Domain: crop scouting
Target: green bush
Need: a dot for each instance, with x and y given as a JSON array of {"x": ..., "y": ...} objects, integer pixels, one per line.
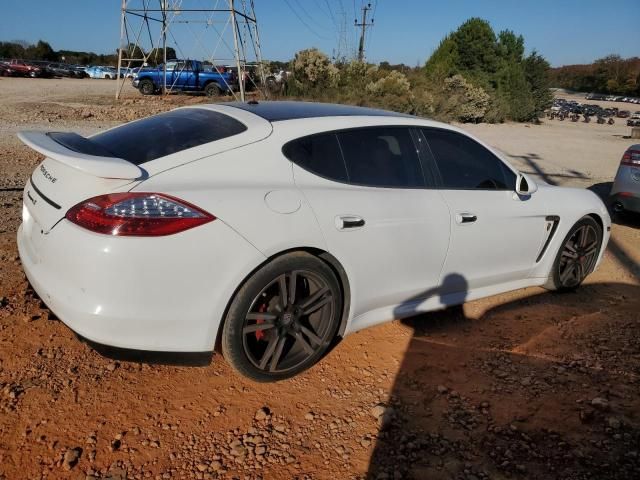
[
  {"x": 312, "y": 71},
  {"x": 391, "y": 91}
]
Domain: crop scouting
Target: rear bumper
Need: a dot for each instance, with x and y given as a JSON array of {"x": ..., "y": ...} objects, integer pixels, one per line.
[
  {"x": 159, "y": 294},
  {"x": 629, "y": 202},
  {"x": 626, "y": 188}
]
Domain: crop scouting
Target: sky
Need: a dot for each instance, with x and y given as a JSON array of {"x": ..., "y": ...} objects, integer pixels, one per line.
[{"x": 404, "y": 31}]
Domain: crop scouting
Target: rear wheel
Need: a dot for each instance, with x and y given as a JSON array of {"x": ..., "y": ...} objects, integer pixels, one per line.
[
  {"x": 283, "y": 319},
  {"x": 146, "y": 87},
  {"x": 578, "y": 254},
  {"x": 212, "y": 90}
]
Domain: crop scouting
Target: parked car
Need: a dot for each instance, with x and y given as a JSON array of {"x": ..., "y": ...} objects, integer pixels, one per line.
[
  {"x": 78, "y": 71},
  {"x": 633, "y": 122},
  {"x": 277, "y": 228},
  {"x": 625, "y": 192},
  {"x": 5, "y": 70},
  {"x": 185, "y": 75},
  {"x": 108, "y": 73},
  {"x": 23, "y": 69},
  {"x": 61, "y": 69},
  {"x": 624, "y": 114}
]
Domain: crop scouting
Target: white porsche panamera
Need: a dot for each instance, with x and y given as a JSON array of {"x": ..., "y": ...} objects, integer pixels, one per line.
[{"x": 275, "y": 228}]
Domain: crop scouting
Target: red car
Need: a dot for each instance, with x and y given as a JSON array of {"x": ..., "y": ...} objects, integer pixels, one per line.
[
  {"x": 5, "y": 70},
  {"x": 23, "y": 69}
]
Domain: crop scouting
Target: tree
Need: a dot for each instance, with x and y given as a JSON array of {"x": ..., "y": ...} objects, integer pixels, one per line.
[
  {"x": 494, "y": 63},
  {"x": 41, "y": 51},
  {"x": 133, "y": 51},
  {"x": 476, "y": 47},
  {"x": 611, "y": 74},
  {"x": 536, "y": 70},
  {"x": 444, "y": 60},
  {"x": 510, "y": 46},
  {"x": 156, "y": 56},
  {"x": 512, "y": 86}
]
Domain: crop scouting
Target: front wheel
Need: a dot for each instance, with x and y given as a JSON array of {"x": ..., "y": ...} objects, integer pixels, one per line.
[
  {"x": 578, "y": 255},
  {"x": 283, "y": 319}
]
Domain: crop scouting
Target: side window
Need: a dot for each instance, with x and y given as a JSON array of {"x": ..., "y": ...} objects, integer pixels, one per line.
[
  {"x": 320, "y": 154},
  {"x": 171, "y": 66},
  {"x": 465, "y": 164},
  {"x": 381, "y": 157}
]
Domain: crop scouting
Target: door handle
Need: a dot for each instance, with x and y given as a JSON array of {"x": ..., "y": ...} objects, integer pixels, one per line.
[
  {"x": 345, "y": 222},
  {"x": 463, "y": 218}
]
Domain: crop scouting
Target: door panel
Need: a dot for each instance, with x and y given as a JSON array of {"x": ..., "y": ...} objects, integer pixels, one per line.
[
  {"x": 397, "y": 247},
  {"x": 503, "y": 241},
  {"x": 388, "y": 230},
  {"x": 496, "y": 235},
  {"x": 183, "y": 78}
]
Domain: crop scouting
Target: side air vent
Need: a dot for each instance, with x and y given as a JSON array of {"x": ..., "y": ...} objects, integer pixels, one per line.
[{"x": 552, "y": 226}]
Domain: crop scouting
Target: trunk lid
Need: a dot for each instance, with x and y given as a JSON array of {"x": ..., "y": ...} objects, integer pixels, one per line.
[{"x": 66, "y": 177}]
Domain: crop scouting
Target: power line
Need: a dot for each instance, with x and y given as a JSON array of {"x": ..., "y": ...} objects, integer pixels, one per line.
[
  {"x": 305, "y": 23},
  {"x": 304, "y": 10}
]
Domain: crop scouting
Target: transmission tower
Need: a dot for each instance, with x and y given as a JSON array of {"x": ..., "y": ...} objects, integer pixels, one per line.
[
  {"x": 364, "y": 25},
  {"x": 343, "y": 49},
  {"x": 222, "y": 31}
]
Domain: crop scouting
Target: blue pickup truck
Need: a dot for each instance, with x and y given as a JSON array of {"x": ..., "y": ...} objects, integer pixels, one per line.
[{"x": 187, "y": 76}]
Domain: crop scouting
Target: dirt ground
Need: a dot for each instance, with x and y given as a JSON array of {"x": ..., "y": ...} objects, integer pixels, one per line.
[{"x": 525, "y": 385}]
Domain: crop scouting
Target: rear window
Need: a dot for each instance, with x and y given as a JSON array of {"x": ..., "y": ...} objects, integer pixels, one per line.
[{"x": 161, "y": 135}]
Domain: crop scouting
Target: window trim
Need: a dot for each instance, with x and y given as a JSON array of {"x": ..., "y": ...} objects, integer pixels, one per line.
[
  {"x": 431, "y": 159},
  {"x": 429, "y": 182}
]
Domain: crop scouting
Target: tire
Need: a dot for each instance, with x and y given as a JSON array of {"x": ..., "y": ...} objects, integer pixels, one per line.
[
  {"x": 212, "y": 90},
  {"x": 267, "y": 343},
  {"x": 577, "y": 255},
  {"x": 146, "y": 87}
]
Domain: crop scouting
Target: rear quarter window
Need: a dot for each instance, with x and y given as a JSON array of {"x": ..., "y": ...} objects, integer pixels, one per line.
[
  {"x": 161, "y": 135},
  {"x": 320, "y": 154}
]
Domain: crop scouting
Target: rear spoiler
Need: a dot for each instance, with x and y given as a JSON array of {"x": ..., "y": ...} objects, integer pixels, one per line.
[{"x": 99, "y": 166}]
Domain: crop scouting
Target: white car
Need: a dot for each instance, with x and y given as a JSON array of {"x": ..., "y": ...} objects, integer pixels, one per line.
[{"x": 276, "y": 228}]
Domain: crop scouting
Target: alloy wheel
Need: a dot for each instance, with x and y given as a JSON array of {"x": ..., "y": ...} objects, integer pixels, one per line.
[
  {"x": 290, "y": 320},
  {"x": 579, "y": 256}
]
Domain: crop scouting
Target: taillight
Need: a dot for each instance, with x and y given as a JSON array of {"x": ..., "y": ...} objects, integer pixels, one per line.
[
  {"x": 137, "y": 214},
  {"x": 631, "y": 158}
]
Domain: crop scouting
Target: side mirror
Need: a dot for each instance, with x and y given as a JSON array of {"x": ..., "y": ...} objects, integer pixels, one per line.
[{"x": 525, "y": 185}]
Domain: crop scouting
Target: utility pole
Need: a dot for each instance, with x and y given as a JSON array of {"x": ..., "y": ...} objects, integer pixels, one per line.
[{"x": 364, "y": 26}]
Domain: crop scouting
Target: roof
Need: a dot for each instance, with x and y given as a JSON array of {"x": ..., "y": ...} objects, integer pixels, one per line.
[{"x": 274, "y": 111}]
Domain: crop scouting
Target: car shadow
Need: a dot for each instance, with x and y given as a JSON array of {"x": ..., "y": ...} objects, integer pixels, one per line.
[
  {"x": 532, "y": 159},
  {"x": 501, "y": 394}
]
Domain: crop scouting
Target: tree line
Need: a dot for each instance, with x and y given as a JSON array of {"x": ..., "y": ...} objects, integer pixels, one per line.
[
  {"x": 612, "y": 74},
  {"x": 43, "y": 51},
  {"x": 474, "y": 75}
]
